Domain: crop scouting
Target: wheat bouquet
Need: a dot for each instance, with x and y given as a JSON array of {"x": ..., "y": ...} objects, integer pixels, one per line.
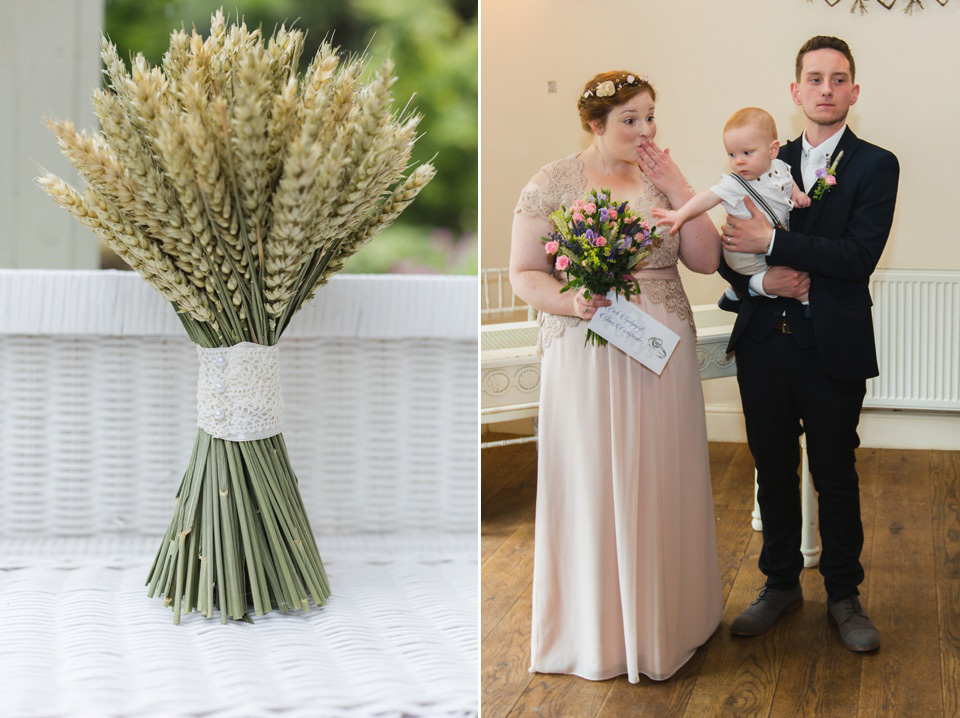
[{"x": 237, "y": 188}]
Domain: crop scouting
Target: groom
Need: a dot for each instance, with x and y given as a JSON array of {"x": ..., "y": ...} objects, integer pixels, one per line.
[{"x": 805, "y": 371}]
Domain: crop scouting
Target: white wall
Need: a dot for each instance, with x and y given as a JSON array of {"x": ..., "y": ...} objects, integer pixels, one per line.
[
  {"x": 49, "y": 66},
  {"x": 706, "y": 59}
]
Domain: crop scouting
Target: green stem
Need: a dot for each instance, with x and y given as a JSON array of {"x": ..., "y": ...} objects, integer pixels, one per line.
[{"x": 304, "y": 289}]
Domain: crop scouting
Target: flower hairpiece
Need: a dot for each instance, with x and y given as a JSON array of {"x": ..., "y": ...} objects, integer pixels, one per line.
[{"x": 609, "y": 88}]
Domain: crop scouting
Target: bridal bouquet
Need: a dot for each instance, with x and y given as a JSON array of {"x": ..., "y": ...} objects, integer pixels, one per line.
[
  {"x": 237, "y": 188},
  {"x": 597, "y": 242}
]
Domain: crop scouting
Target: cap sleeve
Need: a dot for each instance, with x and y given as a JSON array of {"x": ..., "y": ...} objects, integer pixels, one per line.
[
  {"x": 729, "y": 190},
  {"x": 539, "y": 198}
]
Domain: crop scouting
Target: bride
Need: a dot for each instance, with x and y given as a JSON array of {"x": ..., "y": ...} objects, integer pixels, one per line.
[{"x": 625, "y": 575}]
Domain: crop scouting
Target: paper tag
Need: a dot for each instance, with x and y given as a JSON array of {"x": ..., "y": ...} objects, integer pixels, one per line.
[{"x": 628, "y": 327}]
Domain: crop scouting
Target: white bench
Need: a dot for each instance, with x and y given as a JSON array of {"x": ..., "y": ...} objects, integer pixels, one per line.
[{"x": 97, "y": 419}]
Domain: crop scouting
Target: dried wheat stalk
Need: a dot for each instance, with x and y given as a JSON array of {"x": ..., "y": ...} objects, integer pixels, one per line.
[{"x": 237, "y": 188}]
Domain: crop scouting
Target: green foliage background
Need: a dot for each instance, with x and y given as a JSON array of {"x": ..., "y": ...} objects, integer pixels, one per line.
[{"x": 434, "y": 46}]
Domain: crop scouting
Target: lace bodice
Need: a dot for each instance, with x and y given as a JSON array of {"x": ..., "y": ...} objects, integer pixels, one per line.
[{"x": 567, "y": 183}]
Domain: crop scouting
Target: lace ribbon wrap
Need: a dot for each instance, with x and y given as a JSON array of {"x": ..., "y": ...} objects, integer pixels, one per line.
[{"x": 238, "y": 392}]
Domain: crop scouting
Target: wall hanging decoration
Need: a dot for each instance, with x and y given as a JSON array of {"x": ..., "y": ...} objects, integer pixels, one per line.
[{"x": 908, "y": 5}]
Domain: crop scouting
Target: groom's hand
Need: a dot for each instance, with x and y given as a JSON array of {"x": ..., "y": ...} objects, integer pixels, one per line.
[
  {"x": 786, "y": 282},
  {"x": 748, "y": 235}
]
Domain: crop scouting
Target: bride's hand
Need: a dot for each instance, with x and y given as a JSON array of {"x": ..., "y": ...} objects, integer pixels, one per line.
[
  {"x": 659, "y": 166},
  {"x": 586, "y": 308}
]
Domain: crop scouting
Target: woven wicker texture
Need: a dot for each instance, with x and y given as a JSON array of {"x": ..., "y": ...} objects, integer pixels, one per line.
[
  {"x": 115, "y": 303},
  {"x": 96, "y": 426},
  {"x": 397, "y": 638}
]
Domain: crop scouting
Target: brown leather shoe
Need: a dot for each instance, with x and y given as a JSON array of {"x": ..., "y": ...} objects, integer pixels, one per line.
[
  {"x": 760, "y": 615},
  {"x": 857, "y": 632}
]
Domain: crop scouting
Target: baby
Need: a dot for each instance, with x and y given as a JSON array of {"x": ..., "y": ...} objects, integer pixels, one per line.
[{"x": 750, "y": 138}]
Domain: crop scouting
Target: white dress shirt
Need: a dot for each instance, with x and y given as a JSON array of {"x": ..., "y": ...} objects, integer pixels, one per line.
[{"x": 811, "y": 159}]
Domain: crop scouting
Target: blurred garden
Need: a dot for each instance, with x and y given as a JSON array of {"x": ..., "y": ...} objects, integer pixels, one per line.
[{"x": 434, "y": 46}]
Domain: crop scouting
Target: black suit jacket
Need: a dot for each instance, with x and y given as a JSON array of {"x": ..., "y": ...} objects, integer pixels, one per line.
[{"x": 838, "y": 240}]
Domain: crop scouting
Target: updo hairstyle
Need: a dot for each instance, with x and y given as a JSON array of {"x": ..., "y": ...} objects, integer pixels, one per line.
[{"x": 625, "y": 86}]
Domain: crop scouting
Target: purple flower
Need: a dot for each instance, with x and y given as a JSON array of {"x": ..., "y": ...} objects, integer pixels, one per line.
[
  {"x": 589, "y": 235},
  {"x": 822, "y": 172},
  {"x": 604, "y": 215}
]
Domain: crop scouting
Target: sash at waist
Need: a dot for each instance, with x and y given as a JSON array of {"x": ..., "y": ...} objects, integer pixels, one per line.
[{"x": 670, "y": 272}]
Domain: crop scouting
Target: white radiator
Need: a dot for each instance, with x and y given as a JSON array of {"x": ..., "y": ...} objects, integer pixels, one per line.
[{"x": 916, "y": 315}]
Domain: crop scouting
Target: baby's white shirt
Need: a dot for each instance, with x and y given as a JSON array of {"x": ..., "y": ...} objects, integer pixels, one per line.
[{"x": 774, "y": 186}]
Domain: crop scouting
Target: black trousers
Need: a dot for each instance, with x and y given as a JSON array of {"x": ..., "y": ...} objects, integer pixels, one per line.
[{"x": 785, "y": 393}]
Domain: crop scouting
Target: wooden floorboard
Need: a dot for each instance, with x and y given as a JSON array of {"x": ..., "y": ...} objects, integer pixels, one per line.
[
  {"x": 654, "y": 698},
  {"x": 501, "y": 464},
  {"x": 945, "y": 513},
  {"x": 739, "y": 674},
  {"x": 505, "y": 575},
  {"x": 512, "y": 505},
  {"x": 734, "y": 531},
  {"x": 505, "y": 660},
  {"x": 910, "y": 504},
  {"x": 903, "y": 677},
  {"x": 549, "y": 695}
]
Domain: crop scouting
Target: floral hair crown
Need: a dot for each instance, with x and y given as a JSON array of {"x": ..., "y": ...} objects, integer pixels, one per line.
[{"x": 611, "y": 87}]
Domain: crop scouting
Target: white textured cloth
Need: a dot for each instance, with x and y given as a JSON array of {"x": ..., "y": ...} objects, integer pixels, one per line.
[{"x": 238, "y": 392}]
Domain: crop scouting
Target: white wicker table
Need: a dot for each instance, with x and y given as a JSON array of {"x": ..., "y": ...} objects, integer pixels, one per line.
[{"x": 97, "y": 418}]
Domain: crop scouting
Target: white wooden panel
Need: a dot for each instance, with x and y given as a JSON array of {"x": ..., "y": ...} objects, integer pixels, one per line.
[
  {"x": 9, "y": 141},
  {"x": 50, "y": 67}
]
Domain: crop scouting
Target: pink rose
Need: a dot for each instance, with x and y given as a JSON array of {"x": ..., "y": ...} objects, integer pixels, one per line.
[
  {"x": 613, "y": 214},
  {"x": 590, "y": 208},
  {"x": 551, "y": 247},
  {"x": 830, "y": 180},
  {"x": 562, "y": 262},
  {"x": 601, "y": 242},
  {"x": 577, "y": 217},
  {"x": 645, "y": 225},
  {"x": 589, "y": 220},
  {"x": 578, "y": 203}
]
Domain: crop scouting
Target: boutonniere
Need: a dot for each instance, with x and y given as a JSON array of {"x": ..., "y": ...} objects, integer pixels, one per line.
[{"x": 826, "y": 177}]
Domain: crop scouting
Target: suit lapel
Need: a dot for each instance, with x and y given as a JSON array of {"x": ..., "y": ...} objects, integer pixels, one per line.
[
  {"x": 790, "y": 153},
  {"x": 848, "y": 145},
  {"x": 793, "y": 150}
]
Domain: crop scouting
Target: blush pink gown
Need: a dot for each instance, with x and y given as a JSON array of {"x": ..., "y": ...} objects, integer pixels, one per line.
[{"x": 625, "y": 575}]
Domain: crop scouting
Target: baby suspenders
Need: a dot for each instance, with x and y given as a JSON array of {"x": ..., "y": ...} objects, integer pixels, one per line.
[{"x": 759, "y": 201}]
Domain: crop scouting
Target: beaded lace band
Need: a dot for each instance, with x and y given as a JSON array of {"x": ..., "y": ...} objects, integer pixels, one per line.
[{"x": 238, "y": 392}]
